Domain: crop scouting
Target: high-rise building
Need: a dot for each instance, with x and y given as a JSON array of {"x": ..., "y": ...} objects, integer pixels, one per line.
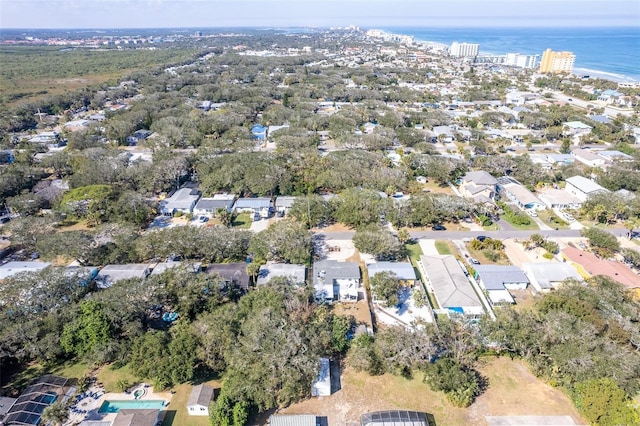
[
  {"x": 521, "y": 61},
  {"x": 462, "y": 50},
  {"x": 556, "y": 62}
]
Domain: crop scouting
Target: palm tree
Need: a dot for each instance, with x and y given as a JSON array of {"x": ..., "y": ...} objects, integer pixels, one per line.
[{"x": 55, "y": 414}]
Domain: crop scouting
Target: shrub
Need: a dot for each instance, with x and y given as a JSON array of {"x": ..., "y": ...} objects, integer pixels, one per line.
[
  {"x": 485, "y": 220},
  {"x": 492, "y": 255},
  {"x": 548, "y": 255}
]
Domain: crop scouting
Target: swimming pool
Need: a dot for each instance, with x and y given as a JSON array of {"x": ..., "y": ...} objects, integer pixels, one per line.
[{"x": 115, "y": 406}]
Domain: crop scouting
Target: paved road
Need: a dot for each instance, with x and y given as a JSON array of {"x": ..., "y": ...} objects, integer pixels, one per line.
[{"x": 458, "y": 235}]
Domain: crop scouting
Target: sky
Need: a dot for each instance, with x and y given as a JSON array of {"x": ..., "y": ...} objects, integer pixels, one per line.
[{"x": 316, "y": 13}]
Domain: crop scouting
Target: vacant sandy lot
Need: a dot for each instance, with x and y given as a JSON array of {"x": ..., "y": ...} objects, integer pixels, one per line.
[{"x": 513, "y": 390}]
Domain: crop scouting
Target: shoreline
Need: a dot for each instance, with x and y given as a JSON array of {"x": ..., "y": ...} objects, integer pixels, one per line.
[{"x": 577, "y": 71}]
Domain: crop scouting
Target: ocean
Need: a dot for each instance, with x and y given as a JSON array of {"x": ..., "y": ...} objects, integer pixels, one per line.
[{"x": 607, "y": 52}]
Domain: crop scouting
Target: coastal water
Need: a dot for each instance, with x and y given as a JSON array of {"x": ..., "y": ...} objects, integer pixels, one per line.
[{"x": 610, "y": 50}]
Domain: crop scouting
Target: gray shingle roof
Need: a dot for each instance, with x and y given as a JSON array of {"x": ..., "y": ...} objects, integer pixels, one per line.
[
  {"x": 201, "y": 395},
  {"x": 403, "y": 270},
  {"x": 450, "y": 284},
  {"x": 494, "y": 277}
]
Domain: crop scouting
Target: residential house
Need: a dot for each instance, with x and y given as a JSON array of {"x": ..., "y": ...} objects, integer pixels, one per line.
[
  {"x": 402, "y": 270},
  {"x": 588, "y": 265},
  {"x": 111, "y": 274},
  {"x": 600, "y": 119},
  {"x": 46, "y": 138},
  {"x": 183, "y": 200},
  {"x": 13, "y": 268},
  {"x": 614, "y": 155},
  {"x": 444, "y": 133},
  {"x": 610, "y": 96},
  {"x": 199, "y": 400},
  {"x": 497, "y": 280},
  {"x": 322, "y": 385},
  {"x": 547, "y": 276},
  {"x": 575, "y": 128},
  {"x": 582, "y": 187},
  {"x": 296, "y": 274},
  {"x": 7, "y": 156},
  {"x": 76, "y": 125},
  {"x": 138, "y": 136},
  {"x": 559, "y": 199},
  {"x": 283, "y": 204},
  {"x": 136, "y": 417},
  {"x": 562, "y": 159},
  {"x": 478, "y": 185},
  {"x": 450, "y": 285},
  {"x": 259, "y": 132},
  {"x": 522, "y": 196},
  {"x": 259, "y": 205},
  {"x": 28, "y": 408},
  {"x": 588, "y": 157},
  {"x": 336, "y": 281},
  {"x": 232, "y": 274},
  {"x": 161, "y": 267},
  {"x": 210, "y": 206}
]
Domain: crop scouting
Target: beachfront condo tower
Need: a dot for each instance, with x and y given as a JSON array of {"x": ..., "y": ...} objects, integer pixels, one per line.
[
  {"x": 557, "y": 62},
  {"x": 463, "y": 50}
]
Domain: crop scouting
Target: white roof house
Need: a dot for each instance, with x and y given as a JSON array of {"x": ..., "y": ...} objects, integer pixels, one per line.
[
  {"x": 582, "y": 187},
  {"x": 546, "y": 276},
  {"x": 10, "y": 269},
  {"x": 450, "y": 285},
  {"x": 293, "y": 420},
  {"x": 559, "y": 199},
  {"x": 111, "y": 274},
  {"x": 296, "y": 273},
  {"x": 253, "y": 204},
  {"x": 210, "y": 206},
  {"x": 498, "y": 279},
  {"x": 322, "y": 385},
  {"x": 403, "y": 270},
  {"x": 199, "y": 400},
  {"x": 333, "y": 280},
  {"x": 522, "y": 196},
  {"x": 183, "y": 200},
  {"x": 588, "y": 157},
  {"x": 573, "y": 128}
]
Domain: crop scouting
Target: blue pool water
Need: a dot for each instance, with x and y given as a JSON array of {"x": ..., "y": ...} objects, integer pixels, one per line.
[{"x": 115, "y": 406}]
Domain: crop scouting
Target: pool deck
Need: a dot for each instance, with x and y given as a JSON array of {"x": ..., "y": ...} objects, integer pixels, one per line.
[{"x": 92, "y": 405}]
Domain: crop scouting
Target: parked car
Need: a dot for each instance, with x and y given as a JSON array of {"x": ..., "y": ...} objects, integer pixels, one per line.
[
  {"x": 438, "y": 228},
  {"x": 203, "y": 219},
  {"x": 481, "y": 238},
  {"x": 474, "y": 261},
  {"x": 532, "y": 213}
]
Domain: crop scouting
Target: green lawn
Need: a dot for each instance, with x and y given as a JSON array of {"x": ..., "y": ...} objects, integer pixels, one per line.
[
  {"x": 533, "y": 226},
  {"x": 110, "y": 376},
  {"x": 177, "y": 414},
  {"x": 243, "y": 220},
  {"x": 552, "y": 220},
  {"x": 443, "y": 247},
  {"x": 414, "y": 252}
]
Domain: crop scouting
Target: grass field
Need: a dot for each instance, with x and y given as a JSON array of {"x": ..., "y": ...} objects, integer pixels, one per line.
[
  {"x": 552, "y": 220},
  {"x": 243, "y": 220},
  {"x": 54, "y": 71},
  {"x": 109, "y": 376},
  {"x": 513, "y": 390},
  {"x": 177, "y": 414},
  {"x": 444, "y": 247}
]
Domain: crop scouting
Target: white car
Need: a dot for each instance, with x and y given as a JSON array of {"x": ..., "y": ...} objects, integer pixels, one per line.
[{"x": 532, "y": 213}]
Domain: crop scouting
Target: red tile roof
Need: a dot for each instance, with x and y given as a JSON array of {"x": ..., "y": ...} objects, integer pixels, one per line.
[{"x": 596, "y": 266}]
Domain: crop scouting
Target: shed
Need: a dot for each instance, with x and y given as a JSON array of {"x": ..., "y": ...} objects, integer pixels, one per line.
[
  {"x": 322, "y": 385},
  {"x": 293, "y": 420},
  {"x": 199, "y": 400}
]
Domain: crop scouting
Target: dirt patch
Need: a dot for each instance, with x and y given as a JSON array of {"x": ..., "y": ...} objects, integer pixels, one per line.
[
  {"x": 336, "y": 227},
  {"x": 359, "y": 310},
  {"x": 513, "y": 390}
]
